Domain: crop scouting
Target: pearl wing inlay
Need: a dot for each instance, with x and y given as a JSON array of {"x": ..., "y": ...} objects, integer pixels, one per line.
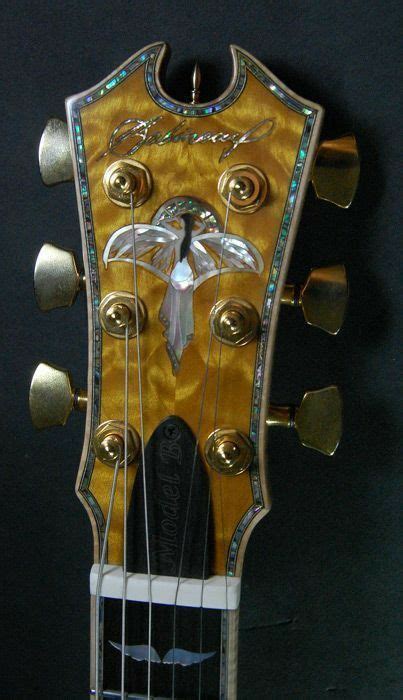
[
  {"x": 186, "y": 245},
  {"x": 183, "y": 657}
]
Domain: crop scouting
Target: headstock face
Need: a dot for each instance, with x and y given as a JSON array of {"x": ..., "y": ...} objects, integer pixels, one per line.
[{"x": 257, "y": 124}]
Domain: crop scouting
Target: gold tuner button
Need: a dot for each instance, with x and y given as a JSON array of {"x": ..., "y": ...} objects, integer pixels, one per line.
[
  {"x": 318, "y": 420},
  {"x": 52, "y": 397},
  {"x": 55, "y": 162},
  {"x": 229, "y": 451},
  {"x": 234, "y": 321},
  {"x": 118, "y": 310},
  {"x": 56, "y": 278},
  {"x": 109, "y": 440},
  {"x": 126, "y": 180},
  {"x": 247, "y": 186},
  {"x": 323, "y": 297},
  {"x": 336, "y": 170}
]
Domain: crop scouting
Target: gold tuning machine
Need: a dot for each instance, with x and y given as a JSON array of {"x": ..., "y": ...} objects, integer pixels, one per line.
[
  {"x": 336, "y": 170},
  {"x": 247, "y": 185},
  {"x": 229, "y": 451},
  {"x": 55, "y": 161},
  {"x": 52, "y": 396},
  {"x": 318, "y": 419},
  {"x": 56, "y": 277},
  {"x": 109, "y": 440},
  {"x": 126, "y": 181},
  {"x": 323, "y": 297},
  {"x": 234, "y": 321}
]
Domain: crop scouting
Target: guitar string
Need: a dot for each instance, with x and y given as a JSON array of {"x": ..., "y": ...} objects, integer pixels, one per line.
[
  {"x": 216, "y": 403},
  {"x": 202, "y": 402},
  {"x": 101, "y": 572},
  {"x": 220, "y": 478},
  {"x": 140, "y": 389},
  {"x": 202, "y": 588},
  {"x": 125, "y": 474}
]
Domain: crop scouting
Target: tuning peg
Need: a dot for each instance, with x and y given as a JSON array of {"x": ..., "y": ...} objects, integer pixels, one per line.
[
  {"x": 56, "y": 278},
  {"x": 52, "y": 397},
  {"x": 323, "y": 297},
  {"x": 318, "y": 420},
  {"x": 55, "y": 161},
  {"x": 336, "y": 170}
]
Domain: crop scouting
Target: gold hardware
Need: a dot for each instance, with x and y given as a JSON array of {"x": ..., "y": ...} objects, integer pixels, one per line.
[
  {"x": 248, "y": 186},
  {"x": 55, "y": 162},
  {"x": 117, "y": 310},
  {"x": 108, "y": 443},
  {"x": 196, "y": 79},
  {"x": 229, "y": 451},
  {"x": 56, "y": 278},
  {"x": 336, "y": 170},
  {"x": 323, "y": 297},
  {"x": 318, "y": 419},
  {"x": 124, "y": 178},
  {"x": 52, "y": 397},
  {"x": 234, "y": 321}
]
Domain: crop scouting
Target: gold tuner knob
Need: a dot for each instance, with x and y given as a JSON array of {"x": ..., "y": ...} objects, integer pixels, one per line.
[
  {"x": 336, "y": 170},
  {"x": 323, "y": 297},
  {"x": 56, "y": 278},
  {"x": 229, "y": 451},
  {"x": 52, "y": 396},
  {"x": 55, "y": 162},
  {"x": 318, "y": 420}
]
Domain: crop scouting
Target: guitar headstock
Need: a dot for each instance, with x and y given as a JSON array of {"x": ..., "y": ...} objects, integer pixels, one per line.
[{"x": 188, "y": 218}]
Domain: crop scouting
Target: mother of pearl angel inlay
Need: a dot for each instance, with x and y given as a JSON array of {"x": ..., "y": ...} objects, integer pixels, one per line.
[{"x": 188, "y": 248}]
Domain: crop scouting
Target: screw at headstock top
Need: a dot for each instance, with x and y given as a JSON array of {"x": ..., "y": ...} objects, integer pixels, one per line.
[{"x": 196, "y": 80}]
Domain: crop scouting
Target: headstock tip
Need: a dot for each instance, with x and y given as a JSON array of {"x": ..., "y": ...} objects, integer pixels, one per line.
[{"x": 336, "y": 171}]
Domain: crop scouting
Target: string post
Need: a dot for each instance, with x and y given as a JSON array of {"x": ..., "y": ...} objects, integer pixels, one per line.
[{"x": 112, "y": 438}]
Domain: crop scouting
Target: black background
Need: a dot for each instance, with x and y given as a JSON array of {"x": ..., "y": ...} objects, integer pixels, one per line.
[{"x": 319, "y": 612}]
